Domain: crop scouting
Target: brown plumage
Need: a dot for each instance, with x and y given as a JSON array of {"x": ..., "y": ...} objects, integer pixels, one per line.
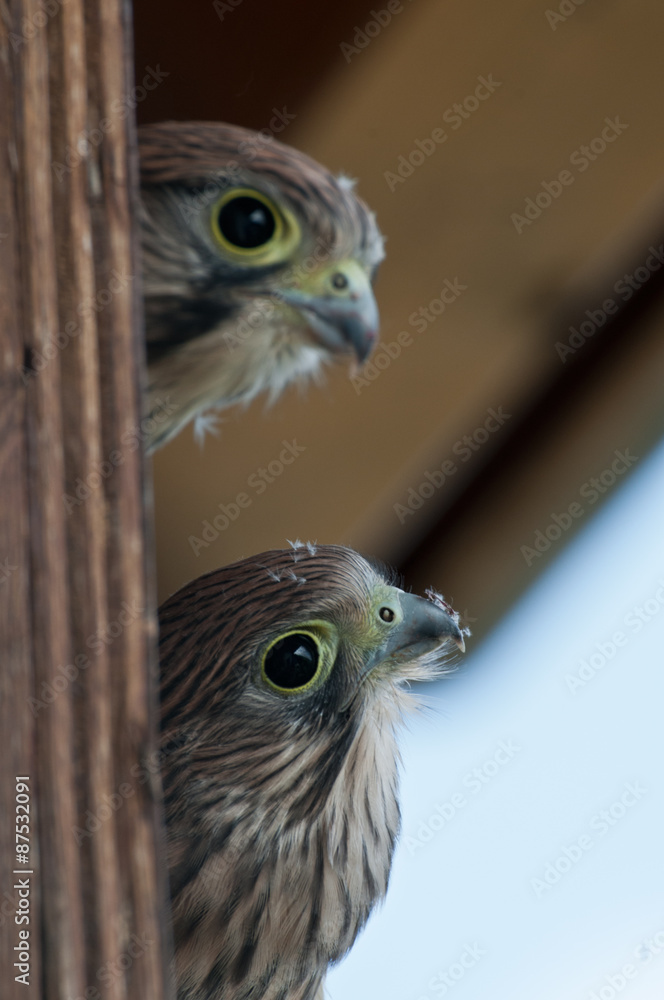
[
  {"x": 284, "y": 680},
  {"x": 257, "y": 268}
]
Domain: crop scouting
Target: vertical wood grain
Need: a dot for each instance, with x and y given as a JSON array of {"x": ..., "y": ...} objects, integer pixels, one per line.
[{"x": 77, "y": 675}]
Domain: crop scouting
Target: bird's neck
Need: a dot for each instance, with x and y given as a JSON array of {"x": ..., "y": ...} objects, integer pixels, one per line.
[{"x": 284, "y": 887}]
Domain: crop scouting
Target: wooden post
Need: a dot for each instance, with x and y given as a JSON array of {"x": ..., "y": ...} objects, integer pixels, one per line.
[{"x": 77, "y": 622}]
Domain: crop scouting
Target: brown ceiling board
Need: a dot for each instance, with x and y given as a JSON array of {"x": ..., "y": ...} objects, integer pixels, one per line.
[{"x": 449, "y": 221}]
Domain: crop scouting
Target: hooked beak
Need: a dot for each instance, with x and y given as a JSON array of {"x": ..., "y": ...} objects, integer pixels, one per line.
[
  {"x": 338, "y": 305},
  {"x": 425, "y": 627}
]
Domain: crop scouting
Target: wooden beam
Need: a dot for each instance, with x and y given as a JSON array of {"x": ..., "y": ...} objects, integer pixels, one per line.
[{"x": 78, "y": 626}]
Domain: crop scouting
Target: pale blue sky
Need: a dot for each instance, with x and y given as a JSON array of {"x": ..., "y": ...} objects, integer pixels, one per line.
[{"x": 468, "y": 905}]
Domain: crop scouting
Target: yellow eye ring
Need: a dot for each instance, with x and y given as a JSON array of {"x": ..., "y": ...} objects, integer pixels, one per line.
[
  {"x": 294, "y": 662},
  {"x": 247, "y": 224}
]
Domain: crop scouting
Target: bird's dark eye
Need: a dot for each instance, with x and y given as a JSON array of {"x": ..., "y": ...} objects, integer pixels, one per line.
[
  {"x": 250, "y": 227},
  {"x": 292, "y": 662},
  {"x": 387, "y": 614},
  {"x": 246, "y": 222}
]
